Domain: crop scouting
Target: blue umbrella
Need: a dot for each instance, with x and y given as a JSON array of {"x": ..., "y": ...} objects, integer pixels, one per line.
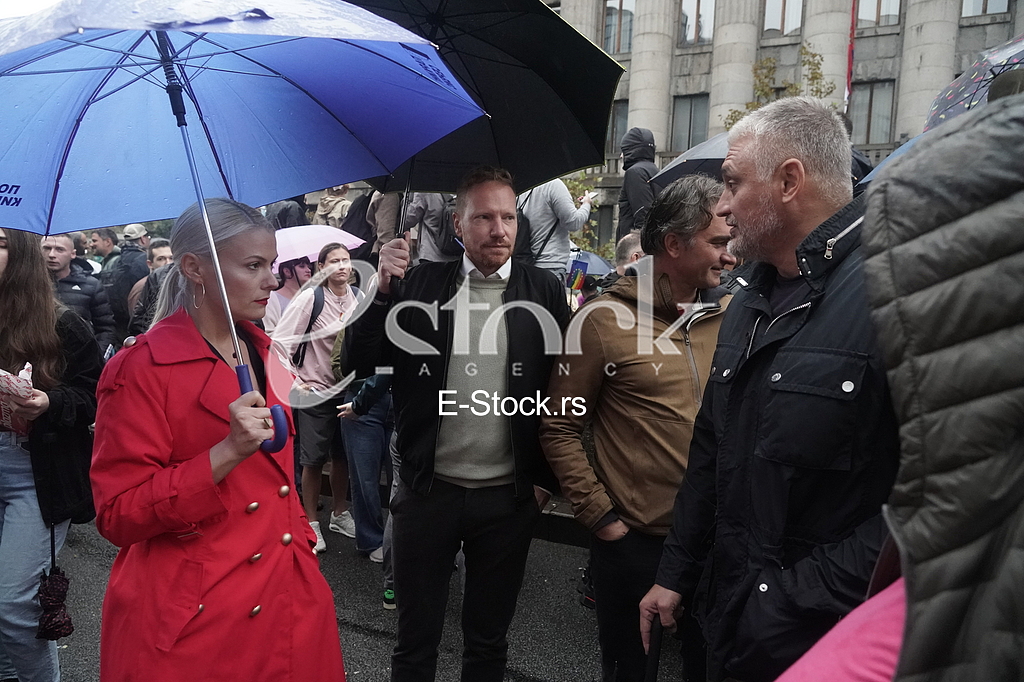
[
  {"x": 87, "y": 137},
  {"x": 294, "y": 96},
  {"x": 895, "y": 154}
]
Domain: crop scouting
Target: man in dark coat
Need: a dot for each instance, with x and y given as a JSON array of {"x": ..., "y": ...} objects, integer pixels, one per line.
[
  {"x": 79, "y": 290},
  {"x": 130, "y": 268},
  {"x": 778, "y": 523},
  {"x": 468, "y": 477},
  {"x": 637, "y": 194}
]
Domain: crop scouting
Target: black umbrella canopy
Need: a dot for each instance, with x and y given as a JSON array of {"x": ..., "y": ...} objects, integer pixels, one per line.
[
  {"x": 706, "y": 158},
  {"x": 547, "y": 90}
]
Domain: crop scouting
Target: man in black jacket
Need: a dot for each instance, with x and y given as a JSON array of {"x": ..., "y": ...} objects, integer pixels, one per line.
[
  {"x": 79, "y": 290},
  {"x": 130, "y": 268},
  {"x": 778, "y": 523},
  {"x": 464, "y": 340},
  {"x": 637, "y": 194}
]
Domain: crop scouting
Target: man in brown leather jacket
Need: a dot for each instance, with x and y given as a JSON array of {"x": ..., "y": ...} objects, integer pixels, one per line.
[{"x": 641, "y": 387}]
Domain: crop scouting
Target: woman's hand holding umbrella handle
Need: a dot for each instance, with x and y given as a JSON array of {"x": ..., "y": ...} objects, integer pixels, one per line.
[
  {"x": 250, "y": 426},
  {"x": 277, "y": 416},
  {"x": 394, "y": 261}
]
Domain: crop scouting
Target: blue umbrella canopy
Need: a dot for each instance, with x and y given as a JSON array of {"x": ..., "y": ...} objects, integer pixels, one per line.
[{"x": 289, "y": 98}]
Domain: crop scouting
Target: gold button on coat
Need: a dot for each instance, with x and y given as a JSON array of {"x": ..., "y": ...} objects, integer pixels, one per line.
[
  {"x": 286, "y": 539},
  {"x": 283, "y": 491},
  {"x": 253, "y": 506},
  {"x": 255, "y": 611},
  {"x": 201, "y": 607}
]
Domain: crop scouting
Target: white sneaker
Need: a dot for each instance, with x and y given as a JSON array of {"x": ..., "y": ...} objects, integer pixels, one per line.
[
  {"x": 320, "y": 544},
  {"x": 377, "y": 555},
  {"x": 343, "y": 523}
]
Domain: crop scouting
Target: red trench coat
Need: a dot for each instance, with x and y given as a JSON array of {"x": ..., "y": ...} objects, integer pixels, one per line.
[{"x": 213, "y": 582}]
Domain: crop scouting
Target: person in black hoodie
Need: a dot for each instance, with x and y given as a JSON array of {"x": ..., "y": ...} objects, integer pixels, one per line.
[
  {"x": 78, "y": 289},
  {"x": 637, "y": 194}
]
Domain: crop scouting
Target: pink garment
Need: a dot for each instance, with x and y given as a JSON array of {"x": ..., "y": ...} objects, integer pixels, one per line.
[{"x": 863, "y": 647}]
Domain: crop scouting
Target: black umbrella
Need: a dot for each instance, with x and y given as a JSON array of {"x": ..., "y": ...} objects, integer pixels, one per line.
[
  {"x": 705, "y": 158},
  {"x": 54, "y": 622},
  {"x": 547, "y": 89}
]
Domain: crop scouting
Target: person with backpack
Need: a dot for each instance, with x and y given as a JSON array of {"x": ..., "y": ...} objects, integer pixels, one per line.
[
  {"x": 305, "y": 335},
  {"x": 433, "y": 213},
  {"x": 552, "y": 215}
]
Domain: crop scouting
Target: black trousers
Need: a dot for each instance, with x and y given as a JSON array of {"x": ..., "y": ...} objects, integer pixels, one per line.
[
  {"x": 623, "y": 571},
  {"x": 494, "y": 532}
]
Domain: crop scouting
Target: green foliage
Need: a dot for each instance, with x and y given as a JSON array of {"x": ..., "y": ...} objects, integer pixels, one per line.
[
  {"x": 159, "y": 228},
  {"x": 765, "y": 90},
  {"x": 586, "y": 237}
]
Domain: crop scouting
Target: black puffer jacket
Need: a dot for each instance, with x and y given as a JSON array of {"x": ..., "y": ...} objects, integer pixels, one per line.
[
  {"x": 84, "y": 294},
  {"x": 778, "y": 523},
  {"x": 944, "y": 233},
  {"x": 637, "y": 194},
  {"x": 60, "y": 444},
  {"x": 417, "y": 379}
]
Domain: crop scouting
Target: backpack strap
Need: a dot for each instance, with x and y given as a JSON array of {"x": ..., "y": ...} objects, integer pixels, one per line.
[
  {"x": 547, "y": 239},
  {"x": 299, "y": 356}
]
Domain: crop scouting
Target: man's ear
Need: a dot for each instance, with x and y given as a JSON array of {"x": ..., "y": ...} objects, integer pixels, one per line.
[
  {"x": 673, "y": 245},
  {"x": 457, "y": 222},
  {"x": 791, "y": 177}
]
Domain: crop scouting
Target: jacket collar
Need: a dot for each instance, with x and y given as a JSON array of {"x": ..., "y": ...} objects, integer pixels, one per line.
[
  {"x": 821, "y": 252},
  {"x": 176, "y": 339}
]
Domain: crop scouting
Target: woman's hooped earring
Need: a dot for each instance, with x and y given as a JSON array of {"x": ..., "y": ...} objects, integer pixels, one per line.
[{"x": 194, "y": 296}]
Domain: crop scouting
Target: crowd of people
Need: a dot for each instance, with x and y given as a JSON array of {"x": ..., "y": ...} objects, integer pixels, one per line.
[{"x": 727, "y": 413}]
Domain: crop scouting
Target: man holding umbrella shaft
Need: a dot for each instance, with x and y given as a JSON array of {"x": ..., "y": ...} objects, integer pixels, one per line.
[{"x": 467, "y": 477}]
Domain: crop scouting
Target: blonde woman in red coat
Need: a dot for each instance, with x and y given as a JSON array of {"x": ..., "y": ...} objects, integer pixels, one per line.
[{"x": 216, "y": 578}]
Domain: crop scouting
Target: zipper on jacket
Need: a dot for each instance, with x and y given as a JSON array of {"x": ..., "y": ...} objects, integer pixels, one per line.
[
  {"x": 831, "y": 243},
  {"x": 444, "y": 385},
  {"x": 791, "y": 310},
  {"x": 698, "y": 388}
]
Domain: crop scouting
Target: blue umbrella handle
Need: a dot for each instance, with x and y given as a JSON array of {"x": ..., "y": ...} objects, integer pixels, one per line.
[{"x": 276, "y": 413}]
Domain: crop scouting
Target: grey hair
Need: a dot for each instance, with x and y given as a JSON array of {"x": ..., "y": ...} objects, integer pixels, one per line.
[
  {"x": 684, "y": 208},
  {"x": 626, "y": 247},
  {"x": 228, "y": 219},
  {"x": 803, "y": 128}
]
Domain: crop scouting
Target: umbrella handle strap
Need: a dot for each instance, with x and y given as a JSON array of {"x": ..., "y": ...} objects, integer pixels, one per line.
[{"x": 277, "y": 415}]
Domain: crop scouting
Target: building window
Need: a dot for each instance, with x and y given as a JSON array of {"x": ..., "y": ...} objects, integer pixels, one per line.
[
  {"x": 782, "y": 17},
  {"x": 689, "y": 121},
  {"x": 973, "y": 8},
  {"x": 616, "y": 127},
  {"x": 878, "y": 13},
  {"x": 696, "y": 22},
  {"x": 618, "y": 26},
  {"x": 871, "y": 112}
]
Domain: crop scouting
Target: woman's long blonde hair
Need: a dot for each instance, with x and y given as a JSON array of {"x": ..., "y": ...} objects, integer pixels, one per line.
[{"x": 228, "y": 219}]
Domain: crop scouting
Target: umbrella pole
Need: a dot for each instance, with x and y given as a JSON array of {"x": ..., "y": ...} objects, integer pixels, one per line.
[
  {"x": 280, "y": 422},
  {"x": 178, "y": 109}
]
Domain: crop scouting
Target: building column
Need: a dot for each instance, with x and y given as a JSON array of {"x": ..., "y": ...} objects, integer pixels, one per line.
[
  {"x": 827, "y": 32},
  {"x": 655, "y": 25},
  {"x": 927, "y": 65},
  {"x": 586, "y": 16},
  {"x": 737, "y": 35}
]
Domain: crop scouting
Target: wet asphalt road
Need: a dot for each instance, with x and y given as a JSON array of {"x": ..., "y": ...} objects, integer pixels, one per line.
[{"x": 552, "y": 639}]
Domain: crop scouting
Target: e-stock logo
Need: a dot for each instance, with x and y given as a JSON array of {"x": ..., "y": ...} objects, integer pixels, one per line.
[
  {"x": 555, "y": 341},
  {"x": 487, "y": 404}
]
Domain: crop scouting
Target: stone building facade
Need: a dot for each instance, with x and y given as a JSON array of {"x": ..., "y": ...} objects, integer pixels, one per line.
[{"x": 688, "y": 62}]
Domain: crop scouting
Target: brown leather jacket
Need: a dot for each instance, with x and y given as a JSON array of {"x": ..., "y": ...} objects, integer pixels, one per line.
[{"x": 640, "y": 401}]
